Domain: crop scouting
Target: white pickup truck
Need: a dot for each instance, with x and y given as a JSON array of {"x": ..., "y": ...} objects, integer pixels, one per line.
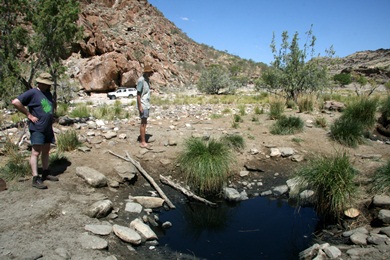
[{"x": 122, "y": 93}]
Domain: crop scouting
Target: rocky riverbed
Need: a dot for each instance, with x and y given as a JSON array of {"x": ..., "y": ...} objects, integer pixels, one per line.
[{"x": 64, "y": 221}]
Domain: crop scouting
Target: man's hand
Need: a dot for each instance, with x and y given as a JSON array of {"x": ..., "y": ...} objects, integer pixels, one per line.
[{"x": 32, "y": 118}]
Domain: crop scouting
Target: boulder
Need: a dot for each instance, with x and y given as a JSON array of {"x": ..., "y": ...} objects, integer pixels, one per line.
[
  {"x": 92, "y": 242},
  {"x": 127, "y": 234},
  {"x": 144, "y": 230},
  {"x": 148, "y": 202},
  {"x": 92, "y": 176},
  {"x": 100, "y": 209}
]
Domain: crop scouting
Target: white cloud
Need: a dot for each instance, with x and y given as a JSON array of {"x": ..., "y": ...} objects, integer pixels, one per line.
[{"x": 185, "y": 18}]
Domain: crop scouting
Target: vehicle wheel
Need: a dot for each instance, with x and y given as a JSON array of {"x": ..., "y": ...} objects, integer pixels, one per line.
[
  {"x": 130, "y": 96},
  {"x": 112, "y": 97}
]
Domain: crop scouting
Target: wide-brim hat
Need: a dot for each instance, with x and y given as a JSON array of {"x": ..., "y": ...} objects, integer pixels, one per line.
[
  {"x": 45, "y": 78},
  {"x": 148, "y": 68}
]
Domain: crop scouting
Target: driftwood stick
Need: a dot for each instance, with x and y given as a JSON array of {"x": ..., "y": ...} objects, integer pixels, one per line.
[
  {"x": 185, "y": 191},
  {"x": 147, "y": 176}
]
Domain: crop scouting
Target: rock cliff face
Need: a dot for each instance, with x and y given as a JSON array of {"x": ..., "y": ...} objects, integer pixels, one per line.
[
  {"x": 370, "y": 64},
  {"x": 122, "y": 36}
]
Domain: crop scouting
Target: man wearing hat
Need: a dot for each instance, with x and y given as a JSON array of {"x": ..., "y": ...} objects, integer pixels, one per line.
[
  {"x": 39, "y": 101},
  {"x": 143, "y": 102}
]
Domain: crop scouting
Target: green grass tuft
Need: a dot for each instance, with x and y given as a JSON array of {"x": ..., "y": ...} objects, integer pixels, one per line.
[
  {"x": 276, "y": 109},
  {"x": 356, "y": 120},
  {"x": 206, "y": 164},
  {"x": 80, "y": 111},
  {"x": 287, "y": 125},
  {"x": 332, "y": 180},
  {"x": 67, "y": 141},
  {"x": 233, "y": 141},
  {"x": 381, "y": 180},
  {"x": 17, "y": 166}
]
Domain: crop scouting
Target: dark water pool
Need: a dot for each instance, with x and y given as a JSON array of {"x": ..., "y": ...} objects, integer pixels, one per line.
[{"x": 258, "y": 228}]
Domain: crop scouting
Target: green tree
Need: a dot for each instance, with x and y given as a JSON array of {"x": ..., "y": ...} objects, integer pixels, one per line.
[
  {"x": 35, "y": 36},
  {"x": 214, "y": 79},
  {"x": 364, "y": 85},
  {"x": 14, "y": 37},
  {"x": 343, "y": 79},
  {"x": 290, "y": 74}
]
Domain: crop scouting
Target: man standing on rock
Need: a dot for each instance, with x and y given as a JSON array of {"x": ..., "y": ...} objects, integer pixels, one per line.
[
  {"x": 39, "y": 101},
  {"x": 143, "y": 103}
]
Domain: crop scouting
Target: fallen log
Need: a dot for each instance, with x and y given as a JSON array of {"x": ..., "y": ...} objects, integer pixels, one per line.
[
  {"x": 186, "y": 192},
  {"x": 147, "y": 176}
]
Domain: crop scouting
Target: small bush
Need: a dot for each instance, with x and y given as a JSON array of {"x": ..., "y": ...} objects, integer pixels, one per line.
[
  {"x": 67, "y": 141},
  {"x": 118, "y": 108},
  {"x": 332, "y": 180},
  {"x": 101, "y": 111},
  {"x": 381, "y": 180},
  {"x": 237, "y": 118},
  {"x": 321, "y": 122},
  {"x": 17, "y": 117},
  {"x": 297, "y": 140},
  {"x": 258, "y": 110},
  {"x": 226, "y": 111},
  {"x": 241, "y": 109},
  {"x": 80, "y": 111},
  {"x": 216, "y": 79},
  {"x": 306, "y": 104},
  {"x": 385, "y": 111},
  {"x": 356, "y": 120},
  {"x": 347, "y": 131},
  {"x": 205, "y": 164},
  {"x": 235, "y": 125},
  {"x": 290, "y": 103},
  {"x": 234, "y": 141},
  {"x": 215, "y": 116},
  {"x": 62, "y": 109},
  {"x": 287, "y": 125},
  {"x": 362, "y": 110},
  {"x": 276, "y": 109},
  {"x": 17, "y": 166}
]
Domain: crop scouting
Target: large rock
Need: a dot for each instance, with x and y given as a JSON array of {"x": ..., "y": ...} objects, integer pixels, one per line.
[
  {"x": 103, "y": 73},
  {"x": 381, "y": 201},
  {"x": 127, "y": 234},
  {"x": 126, "y": 171},
  {"x": 144, "y": 230},
  {"x": 92, "y": 242},
  {"x": 91, "y": 176},
  {"x": 99, "y": 229},
  {"x": 100, "y": 209},
  {"x": 231, "y": 194},
  {"x": 133, "y": 207},
  {"x": 384, "y": 216},
  {"x": 148, "y": 202}
]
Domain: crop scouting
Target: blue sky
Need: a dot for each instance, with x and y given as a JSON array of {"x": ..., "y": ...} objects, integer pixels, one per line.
[{"x": 245, "y": 27}]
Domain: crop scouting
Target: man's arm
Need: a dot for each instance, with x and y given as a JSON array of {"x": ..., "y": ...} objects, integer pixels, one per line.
[
  {"x": 140, "y": 109},
  {"x": 22, "y": 109}
]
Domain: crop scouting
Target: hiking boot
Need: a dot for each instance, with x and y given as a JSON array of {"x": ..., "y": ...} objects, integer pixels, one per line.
[
  {"x": 46, "y": 176},
  {"x": 38, "y": 183}
]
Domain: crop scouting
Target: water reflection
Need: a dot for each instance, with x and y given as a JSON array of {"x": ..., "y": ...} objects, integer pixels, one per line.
[
  {"x": 199, "y": 218},
  {"x": 258, "y": 228}
]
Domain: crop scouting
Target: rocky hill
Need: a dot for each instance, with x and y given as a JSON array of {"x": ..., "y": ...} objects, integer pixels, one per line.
[
  {"x": 371, "y": 64},
  {"x": 121, "y": 36}
]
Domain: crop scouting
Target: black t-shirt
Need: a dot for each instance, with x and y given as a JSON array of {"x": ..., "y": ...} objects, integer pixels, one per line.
[{"x": 40, "y": 105}]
